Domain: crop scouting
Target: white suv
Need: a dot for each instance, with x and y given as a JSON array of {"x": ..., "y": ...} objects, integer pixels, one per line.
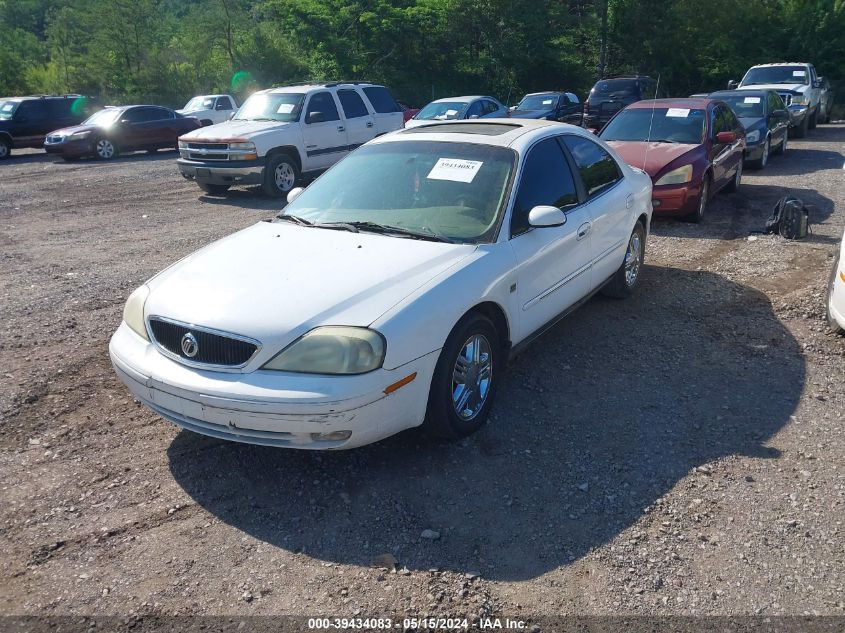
[
  {"x": 210, "y": 109},
  {"x": 798, "y": 85},
  {"x": 281, "y": 134}
]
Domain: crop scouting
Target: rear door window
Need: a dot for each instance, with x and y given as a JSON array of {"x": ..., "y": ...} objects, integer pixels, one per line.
[
  {"x": 324, "y": 103},
  {"x": 383, "y": 102},
  {"x": 598, "y": 169},
  {"x": 32, "y": 110},
  {"x": 475, "y": 110},
  {"x": 352, "y": 104},
  {"x": 546, "y": 179}
]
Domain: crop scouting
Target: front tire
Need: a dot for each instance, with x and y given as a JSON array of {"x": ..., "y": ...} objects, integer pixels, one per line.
[
  {"x": 465, "y": 379},
  {"x": 5, "y": 148},
  {"x": 832, "y": 323},
  {"x": 703, "y": 198},
  {"x": 627, "y": 278},
  {"x": 214, "y": 190},
  {"x": 280, "y": 175},
  {"x": 782, "y": 147},
  {"x": 104, "y": 149},
  {"x": 761, "y": 162}
]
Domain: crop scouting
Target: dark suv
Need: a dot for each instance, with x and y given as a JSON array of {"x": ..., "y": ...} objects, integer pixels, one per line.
[
  {"x": 609, "y": 96},
  {"x": 25, "y": 121}
]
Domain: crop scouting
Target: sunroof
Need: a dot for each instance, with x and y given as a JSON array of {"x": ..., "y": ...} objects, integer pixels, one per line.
[{"x": 486, "y": 129}]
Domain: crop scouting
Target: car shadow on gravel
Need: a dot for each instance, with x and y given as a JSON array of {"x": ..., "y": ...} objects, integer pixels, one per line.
[
  {"x": 593, "y": 425},
  {"x": 737, "y": 215}
]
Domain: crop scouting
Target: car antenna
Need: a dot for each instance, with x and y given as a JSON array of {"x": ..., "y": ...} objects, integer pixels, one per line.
[{"x": 651, "y": 123}]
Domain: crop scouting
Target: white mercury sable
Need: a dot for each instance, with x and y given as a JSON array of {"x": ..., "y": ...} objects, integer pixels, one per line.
[{"x": 389, "y": 293}]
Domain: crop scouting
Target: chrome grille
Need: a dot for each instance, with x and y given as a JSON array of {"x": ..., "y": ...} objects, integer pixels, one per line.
[
  {"x": 787, "y": 98},
  {"x": 215, "y": 146},
  {"x": 213, "y": 348}
]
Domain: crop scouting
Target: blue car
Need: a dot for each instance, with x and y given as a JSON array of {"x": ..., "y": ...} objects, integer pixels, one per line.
[
  {"x": 554, "y": 106},
  {"x": 766, "y": 120}
]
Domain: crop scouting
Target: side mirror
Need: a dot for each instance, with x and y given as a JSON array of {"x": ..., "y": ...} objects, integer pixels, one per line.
[
  {"x": 511, "y": 109},
  {"x": 546, "y": 215},
  {"x": 733, "y": 83},
  {"x": 232, "y": 114},
  {"x": 726, "y": 138},
  {"x": 125, "y": 121},
  {"x": 817, "y": 83},
  {"x": 472, "y": 116},
  {"x": 293, "y": 194},
  {"x": 314, "y": 117}
]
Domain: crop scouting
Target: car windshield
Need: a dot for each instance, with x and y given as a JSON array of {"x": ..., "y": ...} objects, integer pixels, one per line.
[
  {"x": 103, "y": 118},
  {"x": 776, "y": 75},
  {"x": 537, "y": 102},
  {"x": 274, "y": 106},
  {"x": 199, "y": 103},
  {"x": 442, "y": 111},
  {"x": 615, "y": 88},
  {"x": 661, "y": 125},
  {"x": 7, "y": 109},
  {"x": 449, "y": 191},
  {"x": 745, "y": 106}
]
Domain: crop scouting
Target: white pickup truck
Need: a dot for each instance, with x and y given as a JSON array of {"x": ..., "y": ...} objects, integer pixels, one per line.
[
  {"x": 210, "y": 109},
  {"x": 798, "y": 85},
  {"x": 280, "y": 135}
]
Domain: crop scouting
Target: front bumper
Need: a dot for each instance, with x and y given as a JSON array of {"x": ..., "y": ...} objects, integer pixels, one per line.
[
  {"x": 273, "y": 408},
  {"x": 223, "y": 172},
  {"x": 675, "y": 199},
  {"x": 77, "y": 148}
]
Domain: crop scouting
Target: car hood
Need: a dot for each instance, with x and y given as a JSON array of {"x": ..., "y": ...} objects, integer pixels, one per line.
[
  {"x": 275, "y": 281},
  {"x": 777, "y": 87},
  {"x": 73, "y": 129},
  {"x": 230, "y": 129},
  {"x": 650, "y": 157},
  {"x": 531, "y": 114}
]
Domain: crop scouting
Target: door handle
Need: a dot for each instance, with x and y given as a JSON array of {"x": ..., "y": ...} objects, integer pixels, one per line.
[
  {"x": 340, "y": 128},
  {"x": 584, "y": 230},
  {"x": 629, "y": 201},
  {"x": 369, "y": 124}
]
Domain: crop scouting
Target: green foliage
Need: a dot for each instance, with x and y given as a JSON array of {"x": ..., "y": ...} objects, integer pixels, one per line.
[{"x": 165, "y": 51}]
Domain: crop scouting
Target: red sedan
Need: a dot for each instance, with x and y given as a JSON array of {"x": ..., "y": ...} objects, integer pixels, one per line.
[
  {"x": 691, "y": 148},
  {"x": 407, "y": 111},
  {"x": 116, "y": 130}
]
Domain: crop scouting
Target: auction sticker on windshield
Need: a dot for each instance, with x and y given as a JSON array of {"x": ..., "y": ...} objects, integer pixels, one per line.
[
  {"x": 285, "y": 108},
  {"x": 799, "y": 73},
  {"x": 752, "y": 100},
  {"x": 455, "y": 169},
  {"x": 678, "y": 112}
]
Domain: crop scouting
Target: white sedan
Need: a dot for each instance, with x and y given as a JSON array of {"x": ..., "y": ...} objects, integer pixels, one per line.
[
  {"x": 390, "y": 293},
  {"x": 836, "y": 292}
]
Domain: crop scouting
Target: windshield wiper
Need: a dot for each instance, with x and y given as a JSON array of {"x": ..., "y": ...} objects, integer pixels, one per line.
[
  {"x": 661, "y": 140},
  {"x": 295, "y": 219},
  {"x": 374, "y": 227}
]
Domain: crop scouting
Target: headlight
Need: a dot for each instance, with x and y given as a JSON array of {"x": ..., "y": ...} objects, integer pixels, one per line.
[
  {"x": 78, "y": 136},
  {"x": 800, "y": 100},
  {"x": 133, "y": 311},
  {"x": 183, "y": 144},
  {"x": 242, "y": 145},
  {"x": 676, "y": 176},
  {"x": 332, "y": 350},
  {"x": 752, "y": 137}
]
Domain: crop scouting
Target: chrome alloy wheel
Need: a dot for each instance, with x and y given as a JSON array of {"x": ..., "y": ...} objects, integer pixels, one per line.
[
  {"x": 104, "y": 148},
  {"x": 285, "y": 177},
  {"x": 472, "y": 377},
  {"x": 632, "y": 259}
]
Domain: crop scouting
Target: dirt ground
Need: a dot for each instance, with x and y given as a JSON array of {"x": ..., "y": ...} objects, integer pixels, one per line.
[{"x": 681, "y": 452}]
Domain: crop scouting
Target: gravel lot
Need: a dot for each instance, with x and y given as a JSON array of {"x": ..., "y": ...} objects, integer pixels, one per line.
[{"x": 678, "y": 453}]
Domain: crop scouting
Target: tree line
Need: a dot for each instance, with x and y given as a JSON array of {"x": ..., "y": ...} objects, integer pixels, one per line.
[{"x": 164, "y": 51}]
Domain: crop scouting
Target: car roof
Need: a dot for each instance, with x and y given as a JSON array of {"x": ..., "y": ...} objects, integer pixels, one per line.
[
  {"x": 782, "y": 64},
  {"x": 464, "y": 99},
  {"x": 545, "y": 92},
  {"x": 308, "y": 87},
  {"x": 688, "y": 102},
  {"x": 508, "y": 133},
  {"x": 740, "y": 93}
]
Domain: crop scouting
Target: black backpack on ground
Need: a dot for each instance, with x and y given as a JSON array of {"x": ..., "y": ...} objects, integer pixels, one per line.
[{"x": 790, "y": 218}]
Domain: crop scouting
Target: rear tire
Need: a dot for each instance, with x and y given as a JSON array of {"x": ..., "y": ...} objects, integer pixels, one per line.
[
  {"x": 801, "y": 130},
  {"x": 782, "y": 147},
  {"x": 625, "y": 280},
  {"x": 280, "y": 175},
  {"x": 735, "y": 183},
  {"x": 214, "y": 190},
  {"x": 465, "y": 379},
  {"x": 5, "y": 148},
  {"x": 831, "y": 322}
]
